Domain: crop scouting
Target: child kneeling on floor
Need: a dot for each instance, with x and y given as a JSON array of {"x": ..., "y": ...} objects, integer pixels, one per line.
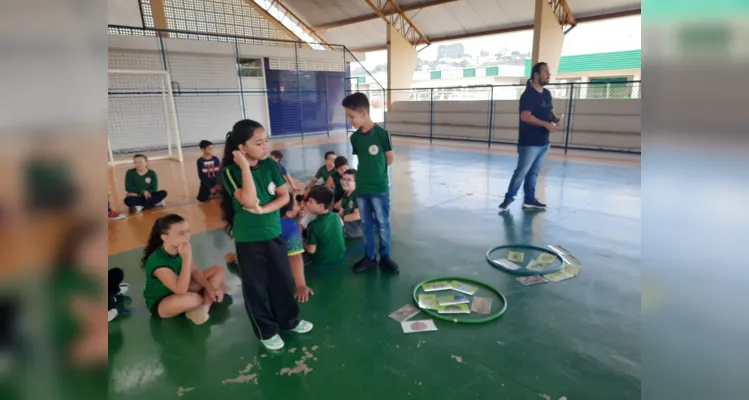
[
  {"x": 174, "y": 284},
  {"x": 325, "y": 234}
]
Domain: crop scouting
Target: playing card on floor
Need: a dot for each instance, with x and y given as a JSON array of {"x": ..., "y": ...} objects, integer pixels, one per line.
[
  {"x": 534, "y": 265},
  {"x": 531, "y": 280},
  {"x": 404, "y": 313},
  {"x": 516, "y": 256},
  {"x": 558, "y": 276},
  {"x": 435, "y": 286},
  {"x": 507, "y": 264},
  {"x": 428, "y": 301},
  {"x": 463, "y": 288},
  {"x": 546, "y": 258},
  {"x": 418, "y": 326},
  {"x": 481, "y": 305}
]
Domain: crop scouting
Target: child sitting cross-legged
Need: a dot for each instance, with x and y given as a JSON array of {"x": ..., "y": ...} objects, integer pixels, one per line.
[
  {"x": 142, "y": 186},
  {"x": 348, "y": 210},
  {"x": 174, "y": 283},
  {"x": 325, "y": 234}
]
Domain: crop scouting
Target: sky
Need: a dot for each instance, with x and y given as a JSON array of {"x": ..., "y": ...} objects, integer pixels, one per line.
[{"x": 591, "y": 37}]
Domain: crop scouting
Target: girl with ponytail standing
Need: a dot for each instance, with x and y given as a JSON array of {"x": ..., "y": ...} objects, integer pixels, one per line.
[
  {"x": 254, "y": 192},
  {"x": 174, "y": 284}
]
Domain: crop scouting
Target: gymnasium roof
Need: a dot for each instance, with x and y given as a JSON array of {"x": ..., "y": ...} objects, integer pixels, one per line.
[{"x": 355, "y": 24}]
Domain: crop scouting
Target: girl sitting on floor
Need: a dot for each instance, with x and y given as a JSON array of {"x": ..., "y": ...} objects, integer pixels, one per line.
[{"x": 174, "y": 284}]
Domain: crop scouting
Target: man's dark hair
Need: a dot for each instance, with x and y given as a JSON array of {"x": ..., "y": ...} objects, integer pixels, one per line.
[
  {"x": 323, "y": 195},
  {"x": 351, "y": 172},
  {"x": 299, "y": 198},
  {"x": 143, "y": 156},
  {"x": 277, "y": 154},
  {"x": 328, "y": 154},
  {"x": 288, "y": 206},
  {"x": 356, "y": 101},
  {"x": 340, "y": 161},
  {"x": 535, "y": 70},
  {"x": 205, "y": 143}
]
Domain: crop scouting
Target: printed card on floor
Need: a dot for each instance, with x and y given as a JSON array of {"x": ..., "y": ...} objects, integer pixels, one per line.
[
  {"x": 572, "y": 269},
  {"x": 425, "y": 325},
  {"x": 546, "y": 258},
  {"x": 436, "y": 286},
  {"x": 463, "y": 287},
  {"x": 558, "y": 276},
  {"x": 454, "y": 309},
  {"x": 535, "y": 265},
  {"x": 516, "y": 256},
  {"x": 452, "y": 299},
  {"x": 531, "y": 280},
  {"x": 507, "y": 264},
  {"x": 428, "y": 301},
  {"x": 481, "y": 305},
  {"x": 404, "y": 313}
]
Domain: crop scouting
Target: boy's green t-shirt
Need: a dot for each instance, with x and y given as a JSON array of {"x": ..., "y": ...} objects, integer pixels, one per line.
[
  {"x": 155, "y": 290},
  {"x": 249, "y": 227},
  {"x": 348, "y": 203},
  {"x": 324, "y": 174},
  {"x": 338, "y": 188},
  {"x": 135, "y": 183},
  {"x": 370, "y": 148},
  {"x": 326, "y": 232}
]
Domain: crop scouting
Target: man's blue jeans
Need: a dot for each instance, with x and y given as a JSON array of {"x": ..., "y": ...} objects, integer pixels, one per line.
[
  {"x": 530, "y": 160},
  {"x": 375, "y": 215}
]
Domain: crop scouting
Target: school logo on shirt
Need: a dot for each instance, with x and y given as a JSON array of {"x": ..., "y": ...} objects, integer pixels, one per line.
[
  {"x": 148, "y": 180},
  {"x": 350, "y": 204},
  {"x": 272, "y": 188},
  {"x": 374, "y": 149}
]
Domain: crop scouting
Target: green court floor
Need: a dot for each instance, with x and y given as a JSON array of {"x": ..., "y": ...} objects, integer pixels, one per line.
[{"x": 578, "y": 339}]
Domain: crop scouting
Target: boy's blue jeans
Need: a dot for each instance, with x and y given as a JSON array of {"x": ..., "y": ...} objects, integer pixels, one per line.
[
  {"x": 530, "y": 160},
  {"x": 375, "y": 214}
]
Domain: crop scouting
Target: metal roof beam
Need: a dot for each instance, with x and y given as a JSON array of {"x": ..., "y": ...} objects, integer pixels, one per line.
[
  {"x": 369, "y": 17},
  {"x": 397, "y": 18},
  {"x": 496, "y": 31}
]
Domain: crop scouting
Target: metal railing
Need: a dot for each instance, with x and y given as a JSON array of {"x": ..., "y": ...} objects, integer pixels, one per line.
[{"x": 597, "y": 115}]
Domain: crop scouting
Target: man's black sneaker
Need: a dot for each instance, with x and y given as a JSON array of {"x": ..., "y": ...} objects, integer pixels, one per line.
[
  {"x": 535, "y": 204},
  {"x": 387, "y": 264},
  {"x": 504, "y": 205},
  {"x": 364, "y": 264}
]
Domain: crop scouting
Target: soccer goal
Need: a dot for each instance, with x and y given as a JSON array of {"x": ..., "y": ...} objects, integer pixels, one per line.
[{"x": 142, "y": 116}]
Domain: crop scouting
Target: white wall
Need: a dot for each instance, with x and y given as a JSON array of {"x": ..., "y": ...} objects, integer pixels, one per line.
[
  {"x": 125, "y": 13},
  {"x": 595, "y": 124},
  {"x": 205, "y": 66}
]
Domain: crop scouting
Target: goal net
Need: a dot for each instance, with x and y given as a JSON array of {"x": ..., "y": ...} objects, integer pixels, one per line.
[{"x": 142, "y": 116}]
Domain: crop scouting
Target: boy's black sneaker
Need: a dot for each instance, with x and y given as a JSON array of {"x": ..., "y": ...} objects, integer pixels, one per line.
[
  {"x": 364, "y": 264},
  {"x": 388, "y": 265},
  {"x": 534, "y": 204},
  {"x": 505, "y": 204}
]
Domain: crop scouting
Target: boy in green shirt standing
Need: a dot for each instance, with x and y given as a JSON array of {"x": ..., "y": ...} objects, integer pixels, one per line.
[{"x": 372, "y": 146}]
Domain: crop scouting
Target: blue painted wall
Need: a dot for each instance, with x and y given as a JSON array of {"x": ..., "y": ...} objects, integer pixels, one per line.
[{"x": 304, "y": 101}]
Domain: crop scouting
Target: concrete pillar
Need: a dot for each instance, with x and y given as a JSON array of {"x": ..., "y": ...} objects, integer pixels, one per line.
[
  {"x": 401, "y": 66},
  {"x": 548, "y": 37}
]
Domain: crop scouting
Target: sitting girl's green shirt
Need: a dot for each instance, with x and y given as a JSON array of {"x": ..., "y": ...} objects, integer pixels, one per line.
[{"x": 155, "y": 290}]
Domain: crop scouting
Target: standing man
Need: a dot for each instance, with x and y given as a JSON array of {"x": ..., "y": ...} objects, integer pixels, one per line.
[{"x": 537, "y": 120}]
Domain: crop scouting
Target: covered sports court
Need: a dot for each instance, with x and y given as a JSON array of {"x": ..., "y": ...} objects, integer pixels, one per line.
[{"x": 185, "y": 70}]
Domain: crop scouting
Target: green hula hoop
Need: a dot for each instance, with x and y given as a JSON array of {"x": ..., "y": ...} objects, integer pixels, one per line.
[
  {"x": 444, "y": 317},
  {"x": 522, "y": 271}
]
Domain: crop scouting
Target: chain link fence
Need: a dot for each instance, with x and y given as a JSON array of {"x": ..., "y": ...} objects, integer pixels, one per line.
[{"x": 597, "y": 115}]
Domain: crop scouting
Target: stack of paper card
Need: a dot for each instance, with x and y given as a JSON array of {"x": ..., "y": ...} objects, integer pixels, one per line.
[
  {"x": 567, "y": 272},
  {"x": 566, "y": 255},
  {"x": 463, "y": 288},
  {"x": 436, "y": 286},
  {"x": 531, "y": 280},
  {"x": 516, "y": 256},
  {"x": 481, "y": 305},
  {"x": 454, "y": 309},
  {"x": 507, "y": 264},
  {"x": 451, "y": 299},
  {"x": 546, "y": 258},
  {"x": 418, "y": 326},
  {"x": 404, "y": 313},
  {"x": 428, "y": 301}
]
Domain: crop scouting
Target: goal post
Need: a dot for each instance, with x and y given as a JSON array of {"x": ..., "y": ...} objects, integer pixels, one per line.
[{"x": 142, "y": 116}]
